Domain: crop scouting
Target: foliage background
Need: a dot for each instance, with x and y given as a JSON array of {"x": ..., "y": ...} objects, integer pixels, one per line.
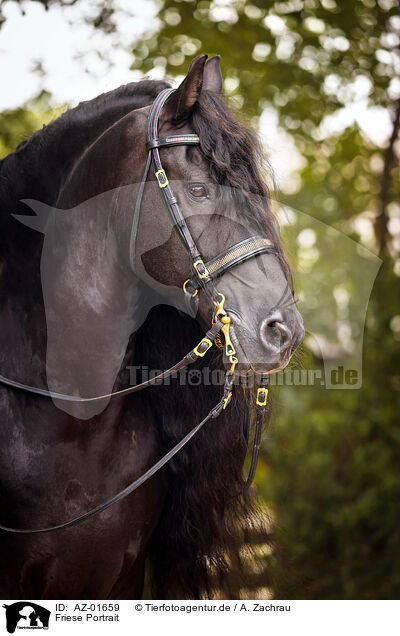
[{"x": 329, "y": 470}]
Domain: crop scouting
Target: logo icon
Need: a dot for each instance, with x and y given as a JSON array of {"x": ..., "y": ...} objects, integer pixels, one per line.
[{"x": 26, "y": 615}]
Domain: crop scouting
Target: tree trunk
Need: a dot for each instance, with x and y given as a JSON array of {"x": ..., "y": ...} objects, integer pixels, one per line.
[{"x": 389, "y": 159}]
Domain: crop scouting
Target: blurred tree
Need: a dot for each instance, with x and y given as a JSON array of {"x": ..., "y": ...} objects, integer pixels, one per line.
[
  {"x": 18, "y": 124},
  {"x": 102, "y": 11}
]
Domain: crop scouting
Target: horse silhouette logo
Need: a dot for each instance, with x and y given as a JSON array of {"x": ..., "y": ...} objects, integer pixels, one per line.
[{"x": 26, "y": 615}]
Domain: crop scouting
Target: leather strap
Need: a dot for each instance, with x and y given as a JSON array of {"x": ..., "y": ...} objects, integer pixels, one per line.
[
  {"x": 153, "y": 143},
  {"x": 189, "y": 358},
  {"x": 261, "y": 401},
  {"x": 129, "y": 489},
  {"x": 256, "y": 446}
]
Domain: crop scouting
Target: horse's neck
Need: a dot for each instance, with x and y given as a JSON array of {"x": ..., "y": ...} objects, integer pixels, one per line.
[
  {"x": 36, "y": 170},
  {"x": 93, "y": 303}
]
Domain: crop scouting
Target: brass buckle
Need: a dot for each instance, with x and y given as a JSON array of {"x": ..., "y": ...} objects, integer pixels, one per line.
[
  {"x": 233, "y": 360},
  {"x": 205, "y": 272},
  {"x": 208, "y": 344},
  {"x": 196, "y": 291},
  {"x": 220, "y": 314},
  {"x": 229, "y": 348},
  {"x": 227, "y": 400},
  {"x": 262, "y": 395},
  {"x": 219, "y": 307},
  {"x": 162, "y": 178}
]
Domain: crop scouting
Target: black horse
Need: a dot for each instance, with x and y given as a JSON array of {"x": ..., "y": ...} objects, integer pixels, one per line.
[{"x": 98, "y": 312}]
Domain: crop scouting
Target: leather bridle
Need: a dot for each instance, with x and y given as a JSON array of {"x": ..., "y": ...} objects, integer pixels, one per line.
[{"x": 204, "y": 273}]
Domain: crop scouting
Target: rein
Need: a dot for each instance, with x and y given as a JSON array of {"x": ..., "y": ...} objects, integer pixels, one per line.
[{"x": 203, "y": 275}]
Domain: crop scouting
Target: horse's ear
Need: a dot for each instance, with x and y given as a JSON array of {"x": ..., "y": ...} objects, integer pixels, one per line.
[
  {"x": 180, "y": 104},
  {"x": 212, "y": 78}
]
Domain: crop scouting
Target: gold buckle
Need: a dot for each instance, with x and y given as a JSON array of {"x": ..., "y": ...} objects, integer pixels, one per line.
[
  {"x": 199, "y": 274},
  {"x": 229, "y": 348},
  {"x": 262, "y": 395},
  {"x": 227, "y": 400},
  {"x": 219, "y": 308},
  {"x": 220, "y": 314},
  {"x": 206, "y": 341},
  {"x": 162, "y": 178},
  {"x": 233, "y": 360},
  {"x": 196, "y": 291}
]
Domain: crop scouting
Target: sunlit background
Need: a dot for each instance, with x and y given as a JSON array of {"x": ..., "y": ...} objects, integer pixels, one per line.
[{"x": 319, "y": 80}]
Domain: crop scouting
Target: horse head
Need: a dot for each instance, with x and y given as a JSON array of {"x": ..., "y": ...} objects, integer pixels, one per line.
[{"x": 224, "y": 202}]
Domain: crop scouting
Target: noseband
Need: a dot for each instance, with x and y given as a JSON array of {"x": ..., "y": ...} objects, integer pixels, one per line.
[{"x": 204, "y": 273}]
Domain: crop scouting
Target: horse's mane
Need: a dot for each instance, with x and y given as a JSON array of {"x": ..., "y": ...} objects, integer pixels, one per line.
[
  {"x": 133, "y": 95},
  {"x": 208, "y": 514}
]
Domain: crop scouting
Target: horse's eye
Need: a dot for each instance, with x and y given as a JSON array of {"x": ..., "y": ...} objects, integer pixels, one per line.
[{"x": 197, "y": 190}]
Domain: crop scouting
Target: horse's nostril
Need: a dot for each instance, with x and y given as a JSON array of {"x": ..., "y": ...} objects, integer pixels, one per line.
[
  {"x": 274, "y": 332},
  {"x": 277, "y": 328}
]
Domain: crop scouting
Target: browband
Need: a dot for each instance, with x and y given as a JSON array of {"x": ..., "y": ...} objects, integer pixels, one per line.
[{"x": 173, "y": 140}]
